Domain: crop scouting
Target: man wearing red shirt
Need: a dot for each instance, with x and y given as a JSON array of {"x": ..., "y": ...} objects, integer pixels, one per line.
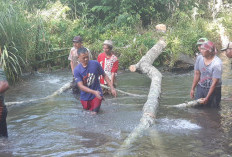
[{"x": 108, "y": 61}]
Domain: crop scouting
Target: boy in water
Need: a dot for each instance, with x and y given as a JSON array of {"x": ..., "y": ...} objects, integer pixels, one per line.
[{"x": 86, "y": 75}]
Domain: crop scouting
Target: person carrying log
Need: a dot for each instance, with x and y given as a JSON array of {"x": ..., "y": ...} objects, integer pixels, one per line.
[
  {"x": 109, "y": 63},
  {"x": 73, "y": 57},
  {"x": 3, "y": 110},
  {"x": 207, "y": 76},
  {"x": 86, "y": 76}
]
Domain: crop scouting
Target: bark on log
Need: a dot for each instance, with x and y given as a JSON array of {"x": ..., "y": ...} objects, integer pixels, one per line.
[{"x": 149, "y": 109}]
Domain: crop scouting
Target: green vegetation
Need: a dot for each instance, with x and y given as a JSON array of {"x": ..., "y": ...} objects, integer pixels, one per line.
[{"x": 31, "y": 27}]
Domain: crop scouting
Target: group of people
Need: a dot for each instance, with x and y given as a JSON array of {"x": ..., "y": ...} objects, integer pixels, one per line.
[
  {"x": 87, "y": 72},
  {"x": 208, "y": 73}
]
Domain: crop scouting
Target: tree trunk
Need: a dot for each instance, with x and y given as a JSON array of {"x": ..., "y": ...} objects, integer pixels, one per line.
[{"x": 149, "y": 109}]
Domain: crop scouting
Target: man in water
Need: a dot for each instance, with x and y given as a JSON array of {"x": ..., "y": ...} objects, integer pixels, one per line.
[
  {"x": 73, "y": 57},
  {"x": 86, "y": 76},
  {"x": 207, "y": 76},
  {"x": 109, "y": 63},
  {"x": 228, "y": 51},
  {"x": 3, "y": 110}
]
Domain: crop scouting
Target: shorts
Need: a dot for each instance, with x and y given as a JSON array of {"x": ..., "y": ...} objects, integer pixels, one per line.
[
  {"x": 214, "y": 99},
  {"x": 3, "y": 125},
  {"x": 92, "y": 105}
]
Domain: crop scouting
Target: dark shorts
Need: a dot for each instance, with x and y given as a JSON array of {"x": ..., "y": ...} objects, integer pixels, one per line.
[
  {"x": 92, "y": 105},
  {"x": 3, "y": 125},
  {"x": 214, "y": 99}
]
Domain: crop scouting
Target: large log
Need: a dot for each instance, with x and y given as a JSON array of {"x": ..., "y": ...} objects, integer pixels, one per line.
[{"x": 149, "y": 109}]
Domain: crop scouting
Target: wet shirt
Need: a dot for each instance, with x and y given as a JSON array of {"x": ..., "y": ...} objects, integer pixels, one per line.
[
  {"x": 90, "y": 77},
  {"x": 2, "y": 78},
  {"x": 110, "y": 65},
  {"x": 208, "y": 72}
]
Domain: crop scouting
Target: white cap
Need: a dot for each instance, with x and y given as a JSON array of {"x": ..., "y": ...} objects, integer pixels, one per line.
[{"x": 108, "y": 42}]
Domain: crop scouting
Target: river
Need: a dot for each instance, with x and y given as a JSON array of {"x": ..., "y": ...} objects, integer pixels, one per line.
[{"x": 59, "y": 127}]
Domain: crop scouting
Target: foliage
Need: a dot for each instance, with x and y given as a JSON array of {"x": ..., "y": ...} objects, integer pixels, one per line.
[
  {"x": 39, "y": 26},
  {"x": 183, "y": 35},
  {"x": 227, "y": 22},
  {"x": 16, "y": 37},
  {"x": 11, "y": 63}
]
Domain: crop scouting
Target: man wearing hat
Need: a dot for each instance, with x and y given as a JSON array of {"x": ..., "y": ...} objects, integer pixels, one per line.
[
  {"x": 73, "y": 57},
  {"x": 200, "y": 42},
  {"x": 228, "y": 50},
  {"x": 207, "y": 76},
  {"x": 108, "y": 61}
]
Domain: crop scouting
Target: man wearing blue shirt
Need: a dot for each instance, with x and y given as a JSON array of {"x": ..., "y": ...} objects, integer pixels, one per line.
[{"x": 86, "y": 76}]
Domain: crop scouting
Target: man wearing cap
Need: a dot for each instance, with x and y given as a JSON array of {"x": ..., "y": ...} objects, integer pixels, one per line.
[
  {"x": 3, "y": 110},
  {"x": 109, "y": 62},
  {"x": 73, "y": 57},
  {"x": 207, "y": 76},
  {"x": 228, "y": 50},
  {"x": 199, "y": 43},
  {"x": 87, "y": 77}
]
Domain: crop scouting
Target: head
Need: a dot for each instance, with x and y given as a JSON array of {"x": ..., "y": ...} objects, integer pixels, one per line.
[
  {"x": 107, "y": 47},
  {"x": 200, "y": 42},
  {"x": 83, "y": 56},
  {"x": 228, "y": 50},
  {"x": 208, "y": 49},
  {"x": 77, "y": 42}
]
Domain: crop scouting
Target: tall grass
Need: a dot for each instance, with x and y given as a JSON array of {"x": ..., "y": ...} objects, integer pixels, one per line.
[{"x": 17, "y": 39}]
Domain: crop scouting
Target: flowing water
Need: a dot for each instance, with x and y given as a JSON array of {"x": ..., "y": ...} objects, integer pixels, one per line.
[{"x": 59, "y": 126}]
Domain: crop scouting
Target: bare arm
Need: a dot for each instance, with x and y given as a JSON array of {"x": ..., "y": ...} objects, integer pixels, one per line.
[
  {"x": 112, "y": 78},
  {"x": 113, "y": 91},
  {"x": 88, "y": 90},
  {"x": 196, "y": 79},
  {"x": 211, "y": 89},
  {"x": 71, "y": 64},
  {"x": 3, "y": 86}
]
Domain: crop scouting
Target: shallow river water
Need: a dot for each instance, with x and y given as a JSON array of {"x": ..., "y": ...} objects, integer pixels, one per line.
[{"x": 59, "y": 126}]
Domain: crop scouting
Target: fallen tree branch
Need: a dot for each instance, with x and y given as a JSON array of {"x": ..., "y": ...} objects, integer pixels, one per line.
[
  {"x": 187, "y": 104},
  {"x": 58, "y": 92}
]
